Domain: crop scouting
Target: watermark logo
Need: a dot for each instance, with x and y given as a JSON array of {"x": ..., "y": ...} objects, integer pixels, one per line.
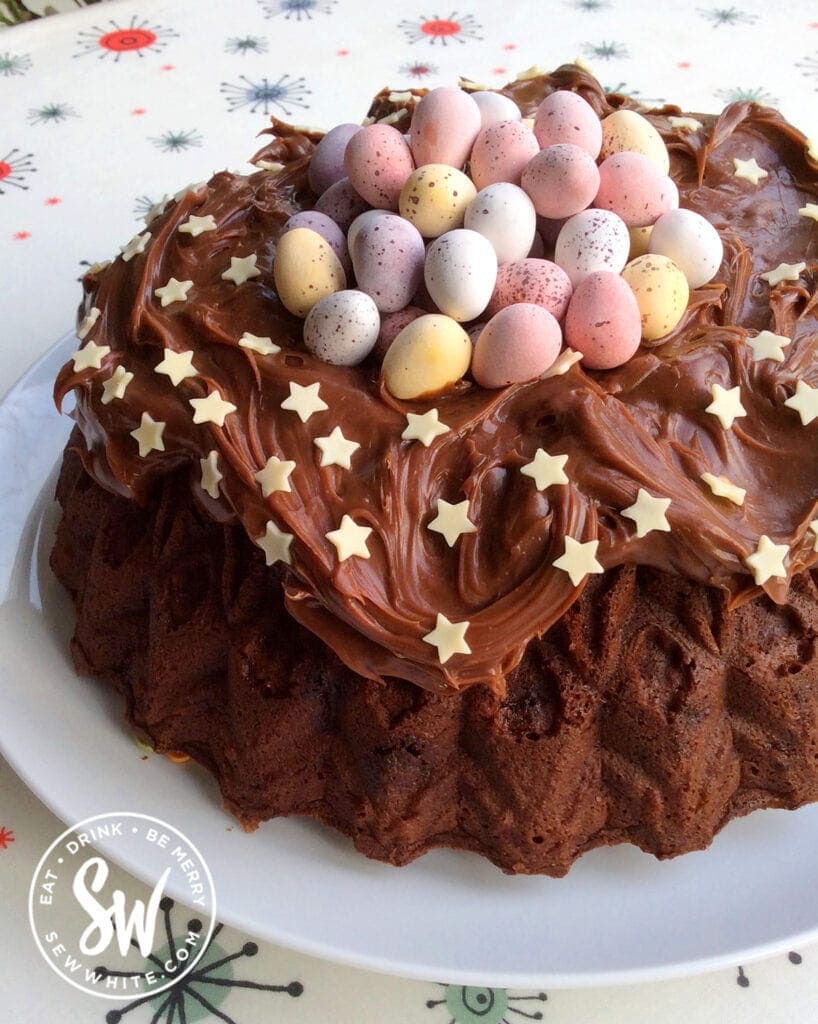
[{"x": 108, "y": 941}]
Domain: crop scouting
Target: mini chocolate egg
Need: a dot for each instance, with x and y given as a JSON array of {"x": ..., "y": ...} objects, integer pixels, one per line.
[
  {"x": 564, "y": 116},
  {"x": 461, "y": 268},
  {"x": 661, "y": 292},
  {"x": 391, "y": 326},
  {"x": 691, "y": 242},
  {"x": 494, "y": 107},
  {"x": 378, "y": 161},
  {"x": 561, "y": 180},
  {"x": 518, "y": 344},
  {"x": 435, "y": 198},
  {"x": 364, "y": 219},
  {"x": 549, "y": 230},
  {"x": 327, "y": 228},
  {"x": 305, "y": 270},
  {"x": 342, "y": 328},
  {"x": 626, "y": 131},
  {"x": 444, "y": 126},
  {"x": 387, "y": 255},
  {"x": 603, "y": 321},
  {"x": 341, "y": 203},
  {"x": 632, "y": 186},
  {"x": 500, "y": 153},
  {"x": 428, "y": 357},
  {"x": 531, "y": 280},
  {"x": 505, "y": 215},
  {"x": 640, "y": 241},
  {"x": 592, "y": 240},
  {"x": 327, "y": 160}
]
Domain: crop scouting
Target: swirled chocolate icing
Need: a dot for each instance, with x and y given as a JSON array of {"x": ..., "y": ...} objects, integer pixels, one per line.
[{"x": 642, "y": 425}]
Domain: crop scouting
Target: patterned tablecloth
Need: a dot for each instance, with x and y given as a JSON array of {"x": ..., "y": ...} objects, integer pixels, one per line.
[{"x": 105, "y": 110}]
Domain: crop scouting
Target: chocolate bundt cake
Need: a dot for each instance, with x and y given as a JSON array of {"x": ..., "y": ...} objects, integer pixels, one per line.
[{"x": 577, "y": 663}]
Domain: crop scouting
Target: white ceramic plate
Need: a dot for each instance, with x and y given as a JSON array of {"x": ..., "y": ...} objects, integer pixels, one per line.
[{"x": 619, "y": 916}]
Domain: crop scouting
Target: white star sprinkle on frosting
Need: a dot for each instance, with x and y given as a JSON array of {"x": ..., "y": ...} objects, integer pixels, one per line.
[
  {"x": 242, "y": 268},
  {"x": 724, "y": 488},
  {"x": 804, "y": 401},
  {"x": 452, "y": 521},
  {"x": 546, "y": 469},
  {"x": 212, "y": 409},
  {"x": 350, "y": 539},
  {"x": 810, "y": 210},
  {"x": 726, "y": 405},
  {"x": 336, "y": 450},
  {"x": 148, "y": 435},
  {"x": 211, "y": 476},
  {"x": 195, "y": 226},
  {"x": 270, "y": 165},
  {"x": 99, "y": 266},
  {"x": 749, "y": 170},
  {"x": 685, "y": 124},
  {"x": 424, "y": 428},
  {"x": 90, "y": 356},
  {"x": 264, "y": 346},
  {"x": 783, "y": 272},
  {"x": 814, "y": 527},
  {"x": 767, "y": 560},
  {"x": 275, "y": 476},
  {"x": 88, "y": 322},
  {"x": 114, "y": 387},
  {"x": 174, "y": 291},
  {"x": 304, "y": 400},
  {"x": 275, "y": 544},
  {"x": 579, "y": 560},
  {"x": 177, "y": 365},
  {"x": 156, "y": 210},
  {"x": 766, "y": 345},
  {"x": 648, "y": 512},
  {"x": 448, "y": 637},
  {"x": 135, "y": 247}
]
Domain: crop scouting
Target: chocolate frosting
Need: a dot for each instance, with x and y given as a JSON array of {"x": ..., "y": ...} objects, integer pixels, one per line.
[{"x": 641, "y": 425}]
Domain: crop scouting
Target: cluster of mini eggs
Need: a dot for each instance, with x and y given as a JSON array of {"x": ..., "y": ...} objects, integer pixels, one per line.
[{"x": 432, "y": 248}]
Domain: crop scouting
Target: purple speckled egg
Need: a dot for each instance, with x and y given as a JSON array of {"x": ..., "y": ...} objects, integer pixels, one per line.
[
  {"x": 565, "y": 116},
  {"x": 561, "y": 180},
  {"x": 388, "y": 256},
  {"x": 327, "y": 161},
  {"x": 494, "y": 107},
  {"x": 592, "y": 240},
  {"x": 540, "y": 282},
  {"x": 500, "y": 153},
  {"x": 378, "y": 161},
  {"x": 342, "y": 328},
  {"x": 632, "y": 186},
  {"x": 518, "y": 344},
  {"x": 327, "y": 228},
  {"x": 392, "y": 324},
  {"x": 603, "y": 321},
  {"x": 444, "y": 126},
  {"x": 341, "y": 203}
]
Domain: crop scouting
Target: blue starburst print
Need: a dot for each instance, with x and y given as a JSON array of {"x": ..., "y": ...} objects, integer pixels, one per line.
[
  {"x": 297, "y": 10},
  {"x": 51, "y": 113},
  {"x": 605, "y": 50},
  {"x": 589, "y": 6},
  {"x": 176, "y": 141},
  {"x": 809, "y": 67},
  {"x": 285, "y": 94},
  {"x": 739, "y": 93},
  {"x": 246, "y": 44},
  {"x": 14, "y": 64},
  {"x": 628, "y": 90},
  {"x": 719, "y": 16}
]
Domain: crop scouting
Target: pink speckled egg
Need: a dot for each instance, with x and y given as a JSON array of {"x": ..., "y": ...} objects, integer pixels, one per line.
[
  {"x": 341, "y": 203},
  {"x": 592, "y": 240},
  {"x": 327, "y": 228},
  {"x": 500, "y": 153},
  {"x": 561, "y": 180},
  {"x": 392, "y": 324},
  {"x": 603, "y": 321},
  {"x": 387, "y": 256},
  {"x": 565, "y": 116},
  {"x": 632, "y": 186},
  {"x": 444, "y": 126},
  {"x": 494, "y": 107},
  {"x": 327, "y": 161},
  {"x": 518, "y": 344},
  {"x": 378, "y": 161},
  {"x": 540, "y": 282}
]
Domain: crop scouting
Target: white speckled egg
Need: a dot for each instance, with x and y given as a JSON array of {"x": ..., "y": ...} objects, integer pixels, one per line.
[
  {"x": 435, "y": 198},
  {"x": 342, "y": 328},
  {"x": 626, "y": 131},
  {"x": 691, "y": 242},
  {"x": 387, "y": 256},
  {"x": 518, "y": 344},
  {"x": 506, "y": 216},
  {"x": 603, "y": 321},
  {"x": 564, "y": 116},
  {"x": 661, "y": 292},
  {"x": 592, "y": 240},
  {"x": 532, "y": 280},
  {"x": 305, "y": 270},
  {"x": 501, "y": 152},
  {"x": 327, "y": 160},
  {"x": 378, "y": 162},
  {"x": 427, "y": 358},
  {"x": 494, "y": 107},
  {"x": 444, "y": 126},
  {"x": 461, "y": 268}
]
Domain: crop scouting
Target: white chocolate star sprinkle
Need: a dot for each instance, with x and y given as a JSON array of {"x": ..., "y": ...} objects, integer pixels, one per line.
[
  {"x": 88, "y": 322},
  {"x": 726, "y": 405},
  {"x": 114, "y": 387},
  {"x": 814, "y": 527},
  {"x": 99, "y": 266},
  {"x": 648, "y": 512},
  {"x": 195, "y": 226},
  {"x": 304, "y": 400},
  {"x": 89, "y": 356},
  {"x": 766, "y": 345},
  {"x": 350, "y": 539},
  {"x": 242, "y": 268},
  {"x": 424, "y": 428},
  {"x": 275, "y": 544},
  {"x": 156, "y": 210},
  {"x": 724, "y": 488},
  {"x": 767, "y": 560},
  {"x": 148, "y": 435},
  {"x": 448, "y": 637},
  {"x": 783, "y": 272},
  {"x": 174, "y": 291},
  {"x": 264, "y": 346},
  {"x": 810, "y": 211},
  {"x": 452, "y": 521},
  {"x": 579, "y": 560},
  {"x": 211, "y": 474},
  {"x": 336, "y": 450},
  {"x": 177, "y": 365},
  {"x": 804, "y": 401},
  {"x": 270, "y": 165},
  {"x": 685, "y": 124},
  {"x": 135, "y": 247},
  {"x": 546, "y": 469},
  {"x": 212, "y": 409},
  {"x": 275, "y": 476},
  {"x": 563, "y": 363},
  {"x": 749, "y": 170}
]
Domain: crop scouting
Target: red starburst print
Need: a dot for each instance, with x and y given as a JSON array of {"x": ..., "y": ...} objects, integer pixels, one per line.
[
  {"x": 510, "y": 46},
  {"x": 138, "y": 111},
  {"x": 441, "y": 30},
  {"x": 122, "y": 40},
  {"x": 168, "y": 67},
  {"x": 6, "y": 837},
  {"x": 498, "y": 71},
  {"x": 15, "y": 166},
  {"x": 19, "y": 236},
  {"x": 53, "y": 201},
  {"x": 342, "y": 53},
  {"x": 683, "y": 65},
  {"x": 115, "y": 40}
]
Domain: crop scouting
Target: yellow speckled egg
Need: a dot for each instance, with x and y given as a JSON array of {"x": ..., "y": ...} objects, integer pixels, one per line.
[
  {"x": 626, "y": 131},
  {"x": 640, "y": 241},
  {"x": 661, "y": 291},
  {"x": 429, "y": 355},
  {"x": 306, "y": 269},
  {"x": 435, "y": 198}
]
